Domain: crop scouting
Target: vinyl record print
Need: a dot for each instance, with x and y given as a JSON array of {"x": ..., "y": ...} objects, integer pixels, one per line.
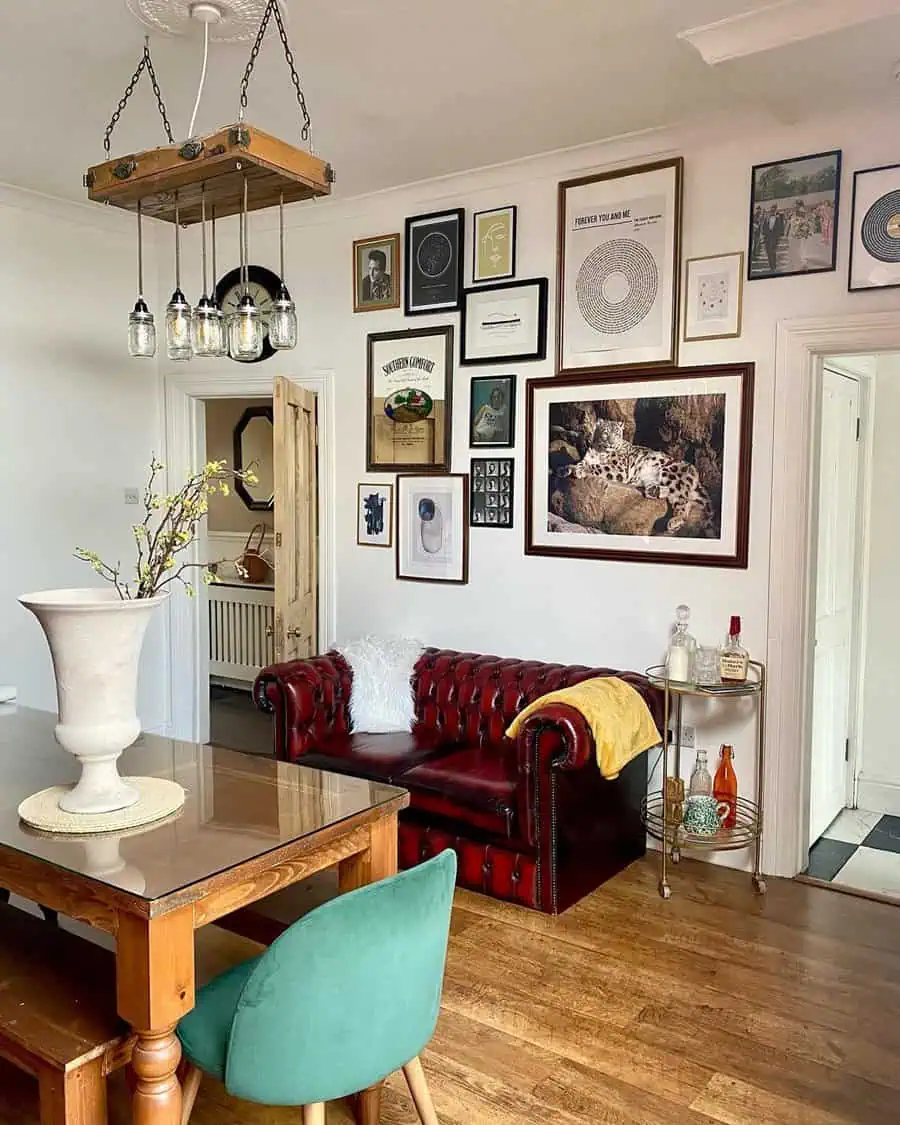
[
  {"x": 880, "y": 230},
  {"x": 617, "y": 285},
  {"x": 875, "y": 238}
]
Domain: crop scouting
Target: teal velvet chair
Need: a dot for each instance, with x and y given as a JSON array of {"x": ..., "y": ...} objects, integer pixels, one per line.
[{"x": 343, "y": 998}]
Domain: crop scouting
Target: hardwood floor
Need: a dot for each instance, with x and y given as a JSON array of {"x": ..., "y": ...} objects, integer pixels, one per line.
[{"x": 714, "y": 1007}]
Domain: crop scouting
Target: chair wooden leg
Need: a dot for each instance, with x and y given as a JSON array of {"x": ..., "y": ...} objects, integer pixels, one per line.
[
  {"x": 368, "y": 1105},
  {"x": 76, "y": 1098},
  {"x": 190, "y": 1078},
  {"x": 418, "y": 1088},
  {"x": 314, "y": 1114}
]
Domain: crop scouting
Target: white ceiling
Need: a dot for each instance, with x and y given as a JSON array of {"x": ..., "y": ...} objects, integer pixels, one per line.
[{"x": 402, "y": 90}]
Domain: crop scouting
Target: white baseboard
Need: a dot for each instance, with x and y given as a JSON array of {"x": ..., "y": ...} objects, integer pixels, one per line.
[{"x": 877, "y": 795}]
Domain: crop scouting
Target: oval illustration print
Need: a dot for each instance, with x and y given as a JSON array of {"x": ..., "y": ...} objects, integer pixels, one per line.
[{"x": 408, "y": 405}]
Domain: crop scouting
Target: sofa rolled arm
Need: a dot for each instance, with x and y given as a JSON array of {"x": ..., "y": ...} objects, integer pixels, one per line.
[
  {"x": 555, "y": 735},
  {"x": 308, "y": 699}
]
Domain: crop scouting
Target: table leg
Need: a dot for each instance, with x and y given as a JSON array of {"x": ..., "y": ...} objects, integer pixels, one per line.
[
  {"x": 377, "y": 862},
  {"x": 155, "y": 987}
]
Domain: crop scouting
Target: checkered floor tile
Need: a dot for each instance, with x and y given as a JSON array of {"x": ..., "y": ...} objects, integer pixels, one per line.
[{"x": 859, "y": 849}]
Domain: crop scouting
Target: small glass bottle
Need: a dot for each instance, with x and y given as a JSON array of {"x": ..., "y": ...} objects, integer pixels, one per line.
[
  {"x": 682, "y": 648},
  {"x": 701, "y": 783},
  {"x": 734, "y": 659},
  {"x": 725, "y": 785}
]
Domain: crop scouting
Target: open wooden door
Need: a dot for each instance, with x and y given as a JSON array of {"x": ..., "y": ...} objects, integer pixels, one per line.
[{"x": 296, "y": 520}]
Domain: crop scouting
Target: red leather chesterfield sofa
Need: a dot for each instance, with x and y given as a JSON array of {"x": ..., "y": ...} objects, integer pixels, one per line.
[{"x": 531, "y": 820}]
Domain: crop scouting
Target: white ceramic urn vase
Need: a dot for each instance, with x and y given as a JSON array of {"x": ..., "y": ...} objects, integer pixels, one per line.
[{"x": 95, "y": 640}]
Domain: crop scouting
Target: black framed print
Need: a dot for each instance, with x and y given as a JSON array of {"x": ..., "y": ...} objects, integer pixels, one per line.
[
  {"x": 794, "y": 216},
  {"x": 504, "y": 323},
  {"x": 875, "y": 229},
  {"x": 492, "y": 412},
  {"x": 434, "y": 262},
  {"x": 494, "y": 244},
  {"x": 491, "y": 491}
]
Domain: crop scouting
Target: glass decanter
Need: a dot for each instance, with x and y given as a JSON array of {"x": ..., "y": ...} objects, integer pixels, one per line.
[{"x": 682, "y": 649}]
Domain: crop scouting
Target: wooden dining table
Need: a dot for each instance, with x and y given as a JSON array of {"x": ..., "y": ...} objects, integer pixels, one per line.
[{"x": 250, "y": 826}]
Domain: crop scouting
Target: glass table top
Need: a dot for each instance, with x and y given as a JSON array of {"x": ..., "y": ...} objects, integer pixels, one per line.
[{"x": 238, "y": 807}]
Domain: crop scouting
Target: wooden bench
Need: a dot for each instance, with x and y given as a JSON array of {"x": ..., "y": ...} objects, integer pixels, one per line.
[{"x": 58, "y": 1016}]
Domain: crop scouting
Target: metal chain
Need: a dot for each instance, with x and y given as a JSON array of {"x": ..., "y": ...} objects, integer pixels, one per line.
[
  {"x": 273, "y": 9},
  {"x": 147, "y": 62}
]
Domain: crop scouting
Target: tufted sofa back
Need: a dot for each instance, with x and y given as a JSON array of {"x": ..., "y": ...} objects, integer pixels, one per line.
[{"x": 472, "y": 699}]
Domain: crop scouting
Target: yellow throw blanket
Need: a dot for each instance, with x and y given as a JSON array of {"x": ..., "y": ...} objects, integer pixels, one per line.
[{"x": 619, "y": 719}]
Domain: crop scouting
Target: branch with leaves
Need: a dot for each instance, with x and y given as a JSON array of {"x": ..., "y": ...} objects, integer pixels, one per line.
[{"x": 170, "y": 525}]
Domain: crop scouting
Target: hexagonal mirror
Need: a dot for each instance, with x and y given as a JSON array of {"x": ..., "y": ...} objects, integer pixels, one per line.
[{"x": 254, "y": 449}]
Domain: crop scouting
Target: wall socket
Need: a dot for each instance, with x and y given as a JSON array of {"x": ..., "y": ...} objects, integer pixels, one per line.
[
  {"x": 688, "y": 736},
  {"x": 132, "y": 496}
]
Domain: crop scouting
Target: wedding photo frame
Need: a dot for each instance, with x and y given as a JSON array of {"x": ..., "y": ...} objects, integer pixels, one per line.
[
  {"x": 492, "y": 412},
  {"x": 433, "y": 528},
  {"x": 434, "y": 262},
  {"x": 375, "y": 515},
  {"x": 376, "y": 273},
  {"x": 492, "y": 491},
  {"x": 409, "y": 400},
  {"x": 504, "y": 323},
  {"x": 596, "y": 443},
  {"x": 794, "y": 207},
  {"x": 713, "y": 296},
  {"x": 875, "y": 229},
  {"x": 494, "y": 244},
  {"x": 619, "y": 236}
]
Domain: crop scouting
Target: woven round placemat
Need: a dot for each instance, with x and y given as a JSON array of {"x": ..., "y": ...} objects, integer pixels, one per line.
[{"x": 158, "y": 798}]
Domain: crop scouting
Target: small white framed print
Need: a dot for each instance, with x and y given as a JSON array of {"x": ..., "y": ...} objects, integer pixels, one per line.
[
  {"x": 375, "y": 515},
  {"x": 713, "y": 296}
]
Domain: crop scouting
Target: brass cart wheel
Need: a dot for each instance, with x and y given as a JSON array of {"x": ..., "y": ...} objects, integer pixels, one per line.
[
  {"x": 759, "y": 884},
  {"x": 665, "y": 891},
  {"x": 676, "y": 855}
]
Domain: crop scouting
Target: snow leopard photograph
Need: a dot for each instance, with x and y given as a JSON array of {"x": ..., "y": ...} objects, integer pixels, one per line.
[{"x": 637, "y": 466}]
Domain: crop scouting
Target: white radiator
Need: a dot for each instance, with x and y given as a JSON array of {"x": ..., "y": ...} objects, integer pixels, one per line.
[{"x": 238, "y": 619}]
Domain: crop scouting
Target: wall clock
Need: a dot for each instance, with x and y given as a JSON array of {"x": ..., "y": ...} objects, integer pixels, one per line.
[{"x": 263, "y": 285}]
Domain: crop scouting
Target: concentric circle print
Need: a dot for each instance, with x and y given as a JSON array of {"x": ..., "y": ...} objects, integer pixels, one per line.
[
  {"x": 880, "y": 230},
  {"x": 617, "y": 285},
  {"x": 434, "y": 254}
]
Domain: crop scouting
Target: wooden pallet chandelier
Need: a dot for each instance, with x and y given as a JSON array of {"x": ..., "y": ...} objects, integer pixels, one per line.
[{"x": 233, "y": 171}]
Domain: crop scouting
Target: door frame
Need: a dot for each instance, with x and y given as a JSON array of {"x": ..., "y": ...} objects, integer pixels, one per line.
[
  {"x": 800, "y": 347},
  {"x": 183, "y": 394}
]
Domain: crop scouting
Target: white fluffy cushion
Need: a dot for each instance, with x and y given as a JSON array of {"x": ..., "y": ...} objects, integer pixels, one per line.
[{"x": 381, "y": 700}]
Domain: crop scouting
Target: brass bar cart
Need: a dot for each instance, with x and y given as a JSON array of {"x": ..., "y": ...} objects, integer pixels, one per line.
[{"x": 662, "y": 819}]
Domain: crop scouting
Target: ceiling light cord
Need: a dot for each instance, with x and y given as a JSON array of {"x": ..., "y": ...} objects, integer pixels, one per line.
[{"x": 202, "y": 79}]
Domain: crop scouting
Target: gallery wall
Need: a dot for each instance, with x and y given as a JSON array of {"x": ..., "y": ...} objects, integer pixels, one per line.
[
  {"x": 608, "y": 613},
  {"x": 78, "y": 423}
]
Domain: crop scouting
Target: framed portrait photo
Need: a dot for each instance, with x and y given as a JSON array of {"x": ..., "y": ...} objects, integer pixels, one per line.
[
  {"x": 432, "y": 528},
  {"x": 875, "y": 235},
  {"x": 794, "y": 216},
  {"x": 491, "y": 491},
  {"x": 642, "y": 466},
  {"x": 504, "y": 323},
  {"x": 494, "y": 244},
  {"x": 376, "y": 273},
  {"x": 375, "y": 515},
  {"x": 492, "y": 412},
  {"x": 434, "y": 262},
  {"x": 617, "y": 299},
  {"x": 713, "y": 292},
  {"x": 408, "y": 401}
]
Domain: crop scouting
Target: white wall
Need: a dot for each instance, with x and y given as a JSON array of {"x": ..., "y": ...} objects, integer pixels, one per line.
[
  {"x": 571, "y": 610},
  {"x": 78, "y": 421},
  {"x": 879, "y": 779}
]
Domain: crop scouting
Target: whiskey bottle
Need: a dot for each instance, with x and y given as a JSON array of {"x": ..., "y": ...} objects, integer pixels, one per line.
[{"x": 734, "y": 659}]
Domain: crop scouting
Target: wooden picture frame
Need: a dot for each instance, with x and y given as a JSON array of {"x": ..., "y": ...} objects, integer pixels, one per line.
[
  {"x": 403, "y": 435},
  {"x": 494, "y": 244},
  {"x": 717, "y": 314},
  {"x": 492, "y": 422},
  {"x": 433, "y": 528},
  {"x": 618, "y": 275},
  {"x": 504, "y": 323},
  {"x": 374, "y": 524},
  {"x": 365, "y": 280},
  {"x": 596, "y": 443},
  {"x": 435, "y": 244}
]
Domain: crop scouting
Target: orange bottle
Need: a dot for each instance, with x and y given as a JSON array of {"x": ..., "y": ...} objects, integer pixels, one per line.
[{"x": 725, "y": 785}]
